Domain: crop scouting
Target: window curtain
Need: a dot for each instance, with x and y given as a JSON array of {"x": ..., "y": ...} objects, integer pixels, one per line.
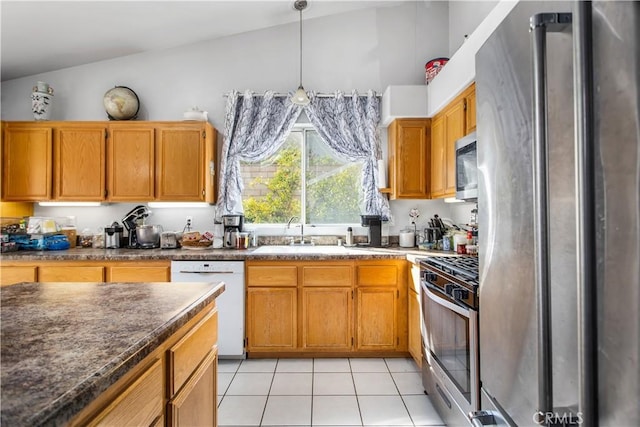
[
  {"x": 349, "y": 125},
  {"x": 255, "y": 127}
]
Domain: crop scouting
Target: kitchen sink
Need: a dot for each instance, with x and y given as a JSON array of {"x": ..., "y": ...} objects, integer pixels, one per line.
[{"x": 284, "y": 249}]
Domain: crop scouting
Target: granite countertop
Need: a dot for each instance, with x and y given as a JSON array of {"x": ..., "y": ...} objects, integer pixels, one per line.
[
  {"x": 63, "y": 344},
  {"x": 88, "y": 254}
]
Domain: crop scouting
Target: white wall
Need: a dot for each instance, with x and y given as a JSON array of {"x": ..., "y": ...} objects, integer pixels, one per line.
[
  {"x": 464, "y": 17},
  {"x": 361, "y": 50}
]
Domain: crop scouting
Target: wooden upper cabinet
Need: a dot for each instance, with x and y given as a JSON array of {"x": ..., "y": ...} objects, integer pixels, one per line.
[
  {"x": 452, "y": 123},
  {"x": 437, "y": 156},
  {"x": 113, "y": 161},
  {"x": 79, "y": 162},
  {"x": 131, "y": 163},
  {"x": 26, "y": 163},
  {"x": 185, "y": 163},
  {"x": 455, "y": 129},
  {"x": 409, "y": 158},
  {"x": 470, "y": 97}
]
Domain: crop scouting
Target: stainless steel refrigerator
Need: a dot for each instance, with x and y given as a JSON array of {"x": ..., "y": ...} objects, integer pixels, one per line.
[{"x": 558, "y": 206}]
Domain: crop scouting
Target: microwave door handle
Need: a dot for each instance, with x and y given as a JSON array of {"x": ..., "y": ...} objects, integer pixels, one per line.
[{"x": 539, "y": 25}]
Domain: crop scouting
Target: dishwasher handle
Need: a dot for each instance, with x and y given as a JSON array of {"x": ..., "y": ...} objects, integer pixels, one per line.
[{"x": 208, "y": 272}]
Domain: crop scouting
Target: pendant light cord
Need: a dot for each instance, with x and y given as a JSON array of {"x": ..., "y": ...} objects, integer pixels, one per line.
[{"x": 300, "y": 47}]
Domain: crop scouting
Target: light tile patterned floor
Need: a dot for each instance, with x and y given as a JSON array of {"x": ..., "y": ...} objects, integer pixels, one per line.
[{"x": 323, "y": 392}]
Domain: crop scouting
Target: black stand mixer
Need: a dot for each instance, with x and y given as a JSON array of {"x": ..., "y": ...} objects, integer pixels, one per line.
[{"x": 133, "y": 220}]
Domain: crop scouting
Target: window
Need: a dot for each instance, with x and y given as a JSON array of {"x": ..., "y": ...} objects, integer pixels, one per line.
[{"x": 303, "y": 179}]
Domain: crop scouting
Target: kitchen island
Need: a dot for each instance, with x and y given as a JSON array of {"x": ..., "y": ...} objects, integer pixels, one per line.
[{"x": 79, "y": 353}]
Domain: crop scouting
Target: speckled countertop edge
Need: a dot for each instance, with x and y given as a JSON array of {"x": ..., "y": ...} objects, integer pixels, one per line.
[
  {"x": 84, "y": 254},
  {"x": 66, "y": 406}
]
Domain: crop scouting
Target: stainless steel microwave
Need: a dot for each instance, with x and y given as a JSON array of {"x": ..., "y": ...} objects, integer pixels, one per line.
[{"x": 467, "y": 168}]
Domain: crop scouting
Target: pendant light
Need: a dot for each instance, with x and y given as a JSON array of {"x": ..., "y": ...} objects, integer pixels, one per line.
[{"x": 300, "y": 97}]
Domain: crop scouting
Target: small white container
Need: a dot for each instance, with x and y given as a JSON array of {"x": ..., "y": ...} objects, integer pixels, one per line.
[
  {"x": 407, "y": 239},
  {"x": 195, "y": 114},
  {"x": 459, "y": 239}
]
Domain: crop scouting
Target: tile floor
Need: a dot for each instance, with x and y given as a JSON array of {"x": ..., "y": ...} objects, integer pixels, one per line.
[{"x": 323, "y": 392}]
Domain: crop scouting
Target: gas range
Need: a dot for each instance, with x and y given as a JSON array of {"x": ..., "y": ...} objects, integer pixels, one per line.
[{"x": 455, "y": 277}]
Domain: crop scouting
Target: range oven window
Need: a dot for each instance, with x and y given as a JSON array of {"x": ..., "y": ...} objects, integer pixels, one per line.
[{"x": 449, "y": 342}]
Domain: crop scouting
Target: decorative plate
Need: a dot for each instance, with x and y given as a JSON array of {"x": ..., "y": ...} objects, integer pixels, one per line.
[{"x": 121, "y": 103}]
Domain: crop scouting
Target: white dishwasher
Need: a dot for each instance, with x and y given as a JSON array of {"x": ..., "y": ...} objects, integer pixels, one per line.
[{"x": 230, "y": 304}]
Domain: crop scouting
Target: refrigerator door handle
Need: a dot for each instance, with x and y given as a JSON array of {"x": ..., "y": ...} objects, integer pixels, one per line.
[
  {"x": 586, "y": 213},
  {"x": 540, "y": 24}
]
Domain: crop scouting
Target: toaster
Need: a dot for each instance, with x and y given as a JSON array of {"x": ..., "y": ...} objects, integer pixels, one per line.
[{"x": 168, "y": 240}]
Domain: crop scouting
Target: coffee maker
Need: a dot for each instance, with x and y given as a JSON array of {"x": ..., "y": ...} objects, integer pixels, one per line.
[
  {"x": 374, "y": 224},
  {"x": 232, "y": 227}
]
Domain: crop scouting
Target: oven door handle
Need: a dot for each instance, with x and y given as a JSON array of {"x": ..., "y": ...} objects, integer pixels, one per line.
[{"x": 443, "y": 302}]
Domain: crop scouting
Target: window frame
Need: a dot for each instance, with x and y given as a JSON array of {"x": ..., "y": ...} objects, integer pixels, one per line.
[{"x": 317, "y": 229}]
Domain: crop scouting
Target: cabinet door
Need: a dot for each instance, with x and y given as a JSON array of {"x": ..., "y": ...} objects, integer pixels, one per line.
[
  {"x": 180, "y": 168},
  {"x": 195, "y": 404},
  {"x": 471, "y": 109},
  {"x": 79, "y": 163},
  {"x": 415, "y": 337},
  {"x": 327, "y": 318},
  {"x": 409, "y": 140},
  {"x": 11, "y": 275},
  {"x": 376, "y": 322},
  {"x": 437, "y": 156},
  {"x": 131, "y": 163},
  {"x": 414, "y": 322},
  {"x": 141, "y": 404},
  {"x": 139, "y": 274},
  {"x": 26, "y": 164},
  {"x": 455, "y": 129},
  {"x": 71, "y": 274},
  {"x": 271, "y": 319}
]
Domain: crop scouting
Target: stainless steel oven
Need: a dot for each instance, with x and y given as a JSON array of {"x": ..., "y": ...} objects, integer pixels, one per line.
[{"x": 450, "y": 328}]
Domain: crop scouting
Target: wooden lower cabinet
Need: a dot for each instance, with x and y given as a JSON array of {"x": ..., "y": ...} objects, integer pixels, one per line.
[
  {"x": 333, "y": 307},
  {"x": 139, "y": 404},
  {"x": 84, "y": 271},
  {"x": 195, "y": 403},
  {"x": 139, "y": 273},
  {"x": 175, "y": 385},
  {"x": 272, "y": 319},
  {"x": 415, "y": 337},
  {"x": 327, "y": 318},
  {"x": 71, "y": 273},
  {"x": 17, "y": 274},
  {"x": 414, "y": 318},
  {"x": 376, "y": 319}
]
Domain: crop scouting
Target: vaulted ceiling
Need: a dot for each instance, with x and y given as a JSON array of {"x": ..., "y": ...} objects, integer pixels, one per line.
[{"x": 42, "y": 36}]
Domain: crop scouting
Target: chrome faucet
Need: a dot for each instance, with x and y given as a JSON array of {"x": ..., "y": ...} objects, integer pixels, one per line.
[{"x": 302, "y": 242}]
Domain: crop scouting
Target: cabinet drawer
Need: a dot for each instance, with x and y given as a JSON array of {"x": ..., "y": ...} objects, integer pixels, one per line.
[
  {"x": 71, "y": 274},
  {"x": 140, "y": 274},
  {"x": 186, "y": 354},
  {"x": 377, "y": 275},
  {"x": 11, "y": 275},
  {"x": 330, "y": 275},
  {"x": 272, "y": 275},
  {"x": 139, "y": 404}
]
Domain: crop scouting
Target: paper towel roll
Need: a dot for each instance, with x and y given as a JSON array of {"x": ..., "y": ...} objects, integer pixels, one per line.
[{"x": 382, "y": 174}]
